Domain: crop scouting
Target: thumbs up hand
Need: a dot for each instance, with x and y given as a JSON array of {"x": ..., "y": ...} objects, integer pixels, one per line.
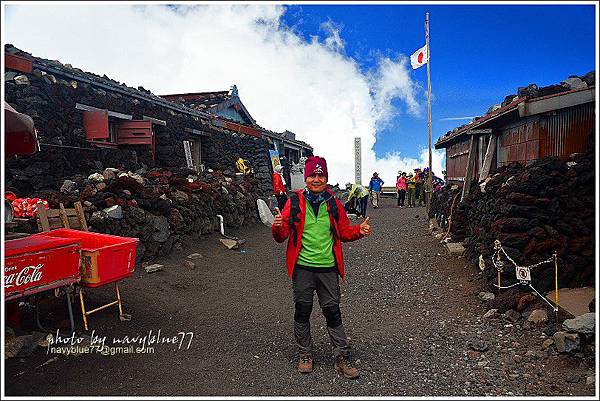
[
  {"x": 365, "y": 228},
  {"x": 278, "y": 219}
]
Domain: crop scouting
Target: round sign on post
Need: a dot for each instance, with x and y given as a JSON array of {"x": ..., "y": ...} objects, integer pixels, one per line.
[{"x": 523, "y": 274}]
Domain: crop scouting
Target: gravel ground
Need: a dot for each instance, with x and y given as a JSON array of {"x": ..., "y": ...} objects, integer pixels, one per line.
[{"x": 410, "y": 310}]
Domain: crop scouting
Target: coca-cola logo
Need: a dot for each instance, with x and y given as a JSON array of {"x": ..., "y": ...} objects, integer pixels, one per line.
[{"x": 27, "y": 275}]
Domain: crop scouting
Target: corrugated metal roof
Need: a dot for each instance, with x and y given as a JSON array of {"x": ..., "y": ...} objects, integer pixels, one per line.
[{"x": 497, "y": 113}]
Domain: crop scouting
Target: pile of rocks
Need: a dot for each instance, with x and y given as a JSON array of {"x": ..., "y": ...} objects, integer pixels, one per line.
[
  {"x": 574, "y": 336},
  {"x": 572, "y": 83},
  {"x": 534, "y": 210},
  {"x": 159, "y": 206}
]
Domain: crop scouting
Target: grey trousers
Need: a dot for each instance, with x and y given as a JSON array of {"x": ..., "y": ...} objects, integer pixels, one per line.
[
  {"x": 304, "y": 284},
  {"x": 375, "y": 199}
]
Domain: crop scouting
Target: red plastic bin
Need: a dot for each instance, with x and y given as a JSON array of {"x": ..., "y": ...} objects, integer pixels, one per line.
[
  {"x": 37, "y": 263},
  {"x": 104, "y": 258}
]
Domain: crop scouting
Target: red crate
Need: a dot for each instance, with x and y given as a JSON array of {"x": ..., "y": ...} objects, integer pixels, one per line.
[
  {"x": 38, "y": 263},
  {"x": 105, "y": 258}
]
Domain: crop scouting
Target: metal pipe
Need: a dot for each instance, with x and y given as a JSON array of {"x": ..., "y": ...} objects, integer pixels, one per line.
[
  {"x": 102, "y": 307},
  {"x": 71, "y": 320},
  {"x": 67, "y": 146}
]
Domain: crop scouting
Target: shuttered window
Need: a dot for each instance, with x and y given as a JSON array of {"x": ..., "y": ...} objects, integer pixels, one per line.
[
  {"x": 18, "y": 63},
  {"x": 135, "y": 132},
  {"x": 95, "y": 124}
]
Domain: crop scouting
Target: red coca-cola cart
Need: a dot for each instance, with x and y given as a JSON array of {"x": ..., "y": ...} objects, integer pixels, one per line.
[
  {"x": 39, "y": 263},
  {"x": 105, "y": 259}
]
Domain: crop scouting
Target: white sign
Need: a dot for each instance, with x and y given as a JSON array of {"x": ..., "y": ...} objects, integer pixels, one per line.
[
  {"x": 357, "y": 162},
  {"x": 523, "y": 274}
]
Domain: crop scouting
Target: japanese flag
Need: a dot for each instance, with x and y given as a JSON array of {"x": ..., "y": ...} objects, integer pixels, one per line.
[{"x": 419, "y": 58}]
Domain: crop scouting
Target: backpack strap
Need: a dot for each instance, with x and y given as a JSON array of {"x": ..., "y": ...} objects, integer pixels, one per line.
[
  {"x": 334, "y": 212},
  {"x": 294, "y": 216},
  {"x": 333, "y": 209}
]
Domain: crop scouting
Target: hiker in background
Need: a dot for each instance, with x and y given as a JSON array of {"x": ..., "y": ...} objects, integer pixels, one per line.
[
  {"x": 316, "y": 224},
  {"x": 410, "y": 190},
  {"x": 375, "y": 189},
  {"x": 360, "y": 196},
  {"x": 419, "y": 186},
  {"x": 243, "y": 166},
  {"x": 401, "y": 188},
  {"x": 438, "y": 183},
  {"x": 423, "y": 196},
  {"x": 279, "y": 186}
]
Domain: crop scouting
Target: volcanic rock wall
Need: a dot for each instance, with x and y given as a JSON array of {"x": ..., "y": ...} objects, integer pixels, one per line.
[
  {"x": 160, "y": 206},
  {"x": 535, "y": 210},
  {"x": 51, "y": 104},
  {"x": 159, "y": 199}
]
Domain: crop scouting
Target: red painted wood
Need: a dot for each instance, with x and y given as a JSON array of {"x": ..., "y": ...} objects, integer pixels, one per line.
[
  {"x": 18, "y": 63},
  {"x": 135, "y": 132},
  {"x": 95, "y": 124}
]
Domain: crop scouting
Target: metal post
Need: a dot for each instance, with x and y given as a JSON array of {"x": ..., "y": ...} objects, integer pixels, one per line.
[
  {"x": 85, "y": 322},
  {"x": 69, "y": 300},
  {"x": 429, "y": 186},
  {"x": 119, "y": 300}
]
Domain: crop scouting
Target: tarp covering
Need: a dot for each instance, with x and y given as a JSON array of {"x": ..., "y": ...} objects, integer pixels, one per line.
[{"x": 20, "y": 137}]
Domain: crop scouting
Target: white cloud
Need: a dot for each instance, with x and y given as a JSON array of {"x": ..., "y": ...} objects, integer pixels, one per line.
[
  {"x": 333, "y": 41},
  {"x": 309, "y": 87}
]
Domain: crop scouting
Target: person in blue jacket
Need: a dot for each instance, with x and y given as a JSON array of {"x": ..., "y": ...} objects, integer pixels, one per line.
[{"x": 375, "y": 189}]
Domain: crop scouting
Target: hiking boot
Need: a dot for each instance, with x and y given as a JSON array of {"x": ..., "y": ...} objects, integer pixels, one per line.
[
  {"x": 305, "y": 365},
  {"x": 345, "y": 367}
]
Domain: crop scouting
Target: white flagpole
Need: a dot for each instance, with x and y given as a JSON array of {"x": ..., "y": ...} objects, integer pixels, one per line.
[{"x": 429, "y": 186}]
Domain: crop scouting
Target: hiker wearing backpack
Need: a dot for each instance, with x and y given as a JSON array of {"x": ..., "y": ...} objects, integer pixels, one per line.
[
  {"x": 375, "y": 189},
  {"x": 315, "y": 224},
  {"x": 279, "y": 186}
]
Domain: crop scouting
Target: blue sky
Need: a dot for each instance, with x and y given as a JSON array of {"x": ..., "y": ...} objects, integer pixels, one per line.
[
  {"x": 479, "y": 53},
  {"x": 353, "y": 80}
]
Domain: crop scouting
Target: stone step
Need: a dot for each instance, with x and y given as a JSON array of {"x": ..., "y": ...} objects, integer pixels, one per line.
[
  {"x": 455, "y": 248},
  {"x": 573, "y": 300}
]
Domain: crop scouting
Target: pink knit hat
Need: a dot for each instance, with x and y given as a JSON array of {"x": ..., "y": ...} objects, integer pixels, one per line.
[{"x": 315, "y": 164}]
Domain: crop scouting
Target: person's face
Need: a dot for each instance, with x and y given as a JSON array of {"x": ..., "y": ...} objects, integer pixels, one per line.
[{"x": 316, "y": 183}]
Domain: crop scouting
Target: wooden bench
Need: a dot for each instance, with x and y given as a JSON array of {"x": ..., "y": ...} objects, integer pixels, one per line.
[{"x": 49, "y": 219}]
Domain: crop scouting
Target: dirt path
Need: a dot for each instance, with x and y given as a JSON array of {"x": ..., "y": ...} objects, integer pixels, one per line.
[{"x": 410, "y": 310}]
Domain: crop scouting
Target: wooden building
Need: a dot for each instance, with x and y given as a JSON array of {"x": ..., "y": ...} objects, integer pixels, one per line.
[{"x": 522, "y": 130}]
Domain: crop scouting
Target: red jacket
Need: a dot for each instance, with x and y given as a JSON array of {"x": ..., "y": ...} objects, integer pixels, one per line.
[
  {"x": 277, "y": 184},
  {"x": 343, "y": 232}
]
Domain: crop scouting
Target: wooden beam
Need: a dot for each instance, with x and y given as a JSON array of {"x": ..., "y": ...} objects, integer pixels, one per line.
[
  {"x": 479, "y": 131},
  {"x": 556, "y": 102},
  {"x": 41, "y": 211},
  {"x": 85, "y": 107},
  {"x": 63, "y": 216},
  {"x": 470, "y": 167},
  {"x": 81, "y": 216},
  {"x": 487, "y": 161},
  {"x": 197, "y": 132},
  {"x": 155, "y": 120}
]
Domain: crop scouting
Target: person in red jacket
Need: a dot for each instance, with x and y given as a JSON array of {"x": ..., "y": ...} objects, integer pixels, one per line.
[
  {"x": 315, "y": 224},
  {"x": 279, "y": 186}
]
